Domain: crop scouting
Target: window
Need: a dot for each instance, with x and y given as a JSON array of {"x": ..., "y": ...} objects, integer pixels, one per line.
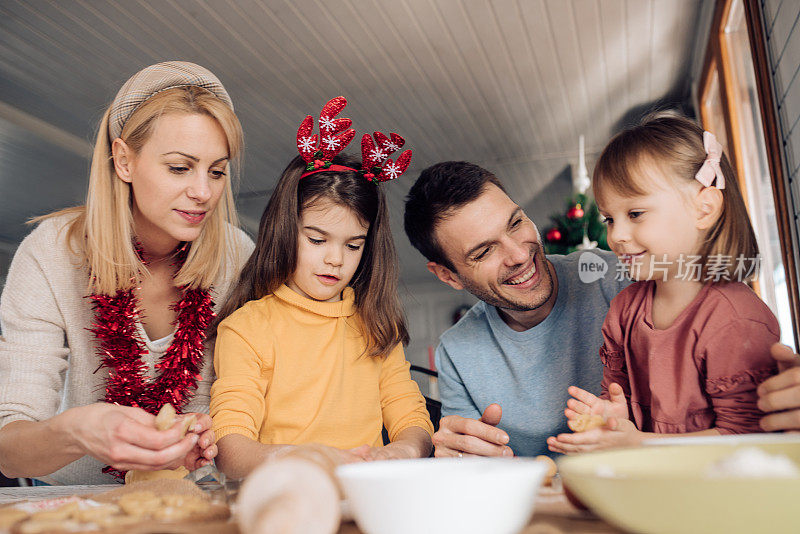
[{"x": 731, "y": 109}]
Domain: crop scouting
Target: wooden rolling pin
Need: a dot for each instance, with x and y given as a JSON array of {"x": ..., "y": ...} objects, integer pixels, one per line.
[{"x": 294, "y": 492}]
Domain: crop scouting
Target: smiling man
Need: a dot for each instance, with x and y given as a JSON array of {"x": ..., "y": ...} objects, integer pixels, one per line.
[{"x": 505, "y": 367}]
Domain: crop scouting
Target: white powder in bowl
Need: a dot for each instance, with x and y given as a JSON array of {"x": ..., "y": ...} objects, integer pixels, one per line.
[
  {"x": 750, "y": 462},
  {"x": 605, "y": 471}
]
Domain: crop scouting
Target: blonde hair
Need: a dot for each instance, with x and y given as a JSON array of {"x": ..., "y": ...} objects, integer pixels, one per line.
[
  {"x": 675, "y": 145},
  {"x": 101, "y": 232}
]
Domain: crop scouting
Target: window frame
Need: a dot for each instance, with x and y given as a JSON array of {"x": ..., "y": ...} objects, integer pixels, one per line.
[{"x": 716, "y": 59}]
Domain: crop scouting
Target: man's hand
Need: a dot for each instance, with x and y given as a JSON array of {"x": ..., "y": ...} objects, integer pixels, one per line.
[
  {"x": 781, "y": 393},
  {"x": 459, "y": 436}
]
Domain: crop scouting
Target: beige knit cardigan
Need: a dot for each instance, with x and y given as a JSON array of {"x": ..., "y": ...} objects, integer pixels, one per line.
[{"x": 48, "y": 358}]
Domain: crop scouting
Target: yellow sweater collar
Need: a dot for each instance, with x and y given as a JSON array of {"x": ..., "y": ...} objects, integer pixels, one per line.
[{"x": 344, "y": 308}]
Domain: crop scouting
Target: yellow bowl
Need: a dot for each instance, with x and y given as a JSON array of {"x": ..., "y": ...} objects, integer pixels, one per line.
[{"x": 664, "y": 488}]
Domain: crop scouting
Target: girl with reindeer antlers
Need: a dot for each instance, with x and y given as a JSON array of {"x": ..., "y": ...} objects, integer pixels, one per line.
[{"x": 310, "y": 345}]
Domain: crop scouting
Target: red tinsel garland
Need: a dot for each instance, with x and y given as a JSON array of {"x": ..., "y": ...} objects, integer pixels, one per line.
[{"x": 121, "y": 348}]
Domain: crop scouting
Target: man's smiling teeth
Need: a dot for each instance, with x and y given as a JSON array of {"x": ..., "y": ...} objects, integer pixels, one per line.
[{"x": 524, "y": 277}]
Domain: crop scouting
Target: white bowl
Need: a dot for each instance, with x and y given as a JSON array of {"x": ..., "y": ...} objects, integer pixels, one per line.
[{"x": 461, "y": 495}]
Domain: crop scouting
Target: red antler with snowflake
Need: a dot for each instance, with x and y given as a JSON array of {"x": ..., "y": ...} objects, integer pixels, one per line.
[
  {"x": 319, "y": 151},
  {"x": 335, "y": 134},
  {"x": 374, "y": 157}
]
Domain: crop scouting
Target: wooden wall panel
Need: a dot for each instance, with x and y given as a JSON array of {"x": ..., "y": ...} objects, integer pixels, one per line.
[{"x": 509, "y": 84}]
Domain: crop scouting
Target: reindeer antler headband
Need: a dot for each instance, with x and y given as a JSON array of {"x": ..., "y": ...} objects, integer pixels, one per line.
[{"x": 335, "y": 134}]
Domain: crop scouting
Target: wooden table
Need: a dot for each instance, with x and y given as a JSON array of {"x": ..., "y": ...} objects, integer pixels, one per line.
[
  {"x": 553, "y": 515},
  {"x": 37, "y": 493}
]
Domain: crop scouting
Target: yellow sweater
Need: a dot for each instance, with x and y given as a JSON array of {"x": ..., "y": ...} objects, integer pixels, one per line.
[{"x": 291, "y": 370}]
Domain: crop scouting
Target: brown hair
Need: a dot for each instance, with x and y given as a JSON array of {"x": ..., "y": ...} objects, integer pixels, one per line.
[
  {"x": 275, "y": 257},
  {"x": 101, "y": 233},
  {"x": 440, "y": 190},
  {"x": 675, "y": 144}
]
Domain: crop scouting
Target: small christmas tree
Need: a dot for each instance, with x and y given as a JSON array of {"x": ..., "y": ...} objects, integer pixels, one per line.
[{"x": 581, "y": 226}]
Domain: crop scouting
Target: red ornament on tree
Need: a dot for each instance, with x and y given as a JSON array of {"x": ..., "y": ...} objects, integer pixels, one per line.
[
  {"x": 575, "y": 212},
  {"x": 553, "y": 235}
]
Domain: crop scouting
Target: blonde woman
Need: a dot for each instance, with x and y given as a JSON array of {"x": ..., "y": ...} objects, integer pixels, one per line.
[{"x": 106, "y": 306}]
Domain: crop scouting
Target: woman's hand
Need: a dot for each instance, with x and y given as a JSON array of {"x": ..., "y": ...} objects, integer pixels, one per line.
[{"x": 126, "y": 438}]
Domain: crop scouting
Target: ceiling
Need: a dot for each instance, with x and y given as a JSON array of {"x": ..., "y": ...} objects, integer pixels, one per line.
[{"x": 508, "y": 84}]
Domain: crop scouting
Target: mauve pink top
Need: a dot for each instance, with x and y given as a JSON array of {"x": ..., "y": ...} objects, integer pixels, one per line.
[{"x": 699, "y": 373}]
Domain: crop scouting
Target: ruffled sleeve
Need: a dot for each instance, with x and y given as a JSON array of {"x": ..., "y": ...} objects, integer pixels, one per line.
[
  {"x": 736, "y": 360},
  {"x": 612, "y": 354}
]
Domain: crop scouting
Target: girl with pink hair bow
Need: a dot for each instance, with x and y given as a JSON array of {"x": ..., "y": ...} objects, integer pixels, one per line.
[{"x": 687, "y": 345}]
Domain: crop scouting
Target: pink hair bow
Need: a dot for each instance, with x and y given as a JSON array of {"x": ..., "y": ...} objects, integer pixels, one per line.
[{"x": 711, "y": 168}]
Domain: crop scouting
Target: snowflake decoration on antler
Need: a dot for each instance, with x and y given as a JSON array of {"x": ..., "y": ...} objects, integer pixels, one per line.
[
  {"x": 377, "y": 154},
  {"x": 326, "y": 123},
  {"x": 306, "y": 144},
  {"x": 391, "y": 147},
  {"x": 331, "y": 143},
  {"x": 392, "y": 170}
]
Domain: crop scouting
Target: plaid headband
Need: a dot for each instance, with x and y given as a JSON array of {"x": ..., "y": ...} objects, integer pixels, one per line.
[{"x": 154, "y": 79}]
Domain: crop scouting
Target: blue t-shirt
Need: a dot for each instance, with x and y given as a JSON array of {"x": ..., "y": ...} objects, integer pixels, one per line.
[{"x": 481, "y": 360}]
